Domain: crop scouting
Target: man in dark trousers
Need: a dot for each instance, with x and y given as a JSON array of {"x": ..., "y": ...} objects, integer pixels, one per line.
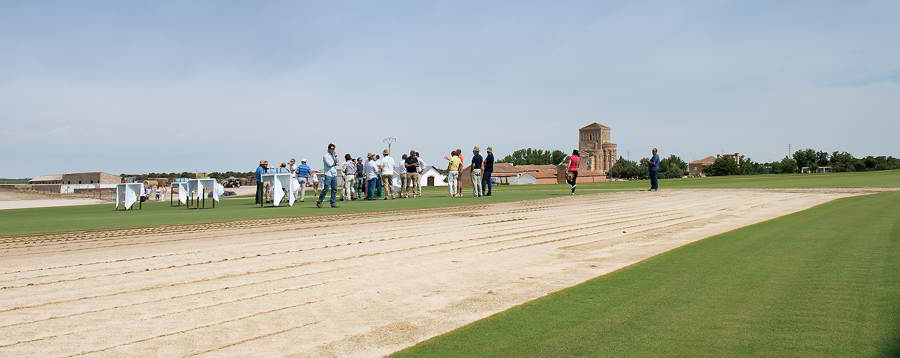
[
  {"x": 486, "y": 184},
  {"x": 653, "y": 169},
  {"x": 260, "y": 170}
]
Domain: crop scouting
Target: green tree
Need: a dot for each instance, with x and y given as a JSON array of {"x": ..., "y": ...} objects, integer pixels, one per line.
[
  {"x": 530, "y": 156},
  {"x": 842, "y": 161},
  {"x": 625, "y": 169},
  {"x": 805, "y": 158},
  {"x": 722, "y": 166}
]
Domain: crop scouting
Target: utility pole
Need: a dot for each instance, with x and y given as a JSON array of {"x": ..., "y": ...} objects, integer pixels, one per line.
[
  {"x": 389, "y": 141},
  {"x": 790, "y": 152}
]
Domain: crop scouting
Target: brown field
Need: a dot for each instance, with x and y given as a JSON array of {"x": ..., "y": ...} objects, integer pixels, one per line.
[{"x": 343, "y": 285}]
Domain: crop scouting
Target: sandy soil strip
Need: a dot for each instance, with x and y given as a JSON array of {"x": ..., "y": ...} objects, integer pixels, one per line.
[{"x": 363, "y": 285}]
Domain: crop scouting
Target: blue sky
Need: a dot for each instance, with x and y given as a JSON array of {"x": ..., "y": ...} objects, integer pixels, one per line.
[{"x": 136, "y": 86}]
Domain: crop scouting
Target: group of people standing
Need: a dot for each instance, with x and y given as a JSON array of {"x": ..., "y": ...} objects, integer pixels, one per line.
[
  {"x": 371, "y": 178},
  {"x": 482, "y": 170}
]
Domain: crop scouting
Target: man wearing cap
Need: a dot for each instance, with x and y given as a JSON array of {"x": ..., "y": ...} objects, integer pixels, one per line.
[
  {"x": 488, "y": 170},
  {"x": 330, "y": 169},
  {"x": 371, "y": 177},
  {"x": 260, "y": 170},
  {"x": 477, "y": 161},
  {"x": 349, "y": 170},
  {"x": 387, "y": 174},
  {"x": 302, "y": 173}
]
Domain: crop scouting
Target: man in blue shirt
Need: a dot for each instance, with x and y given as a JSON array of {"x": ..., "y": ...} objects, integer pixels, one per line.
[
  {"x": 488, "y": 170},
  {"x": 301, "y": 172},
  {"x": 653, "y": 169},
  {"x": 260, "y": 170}
]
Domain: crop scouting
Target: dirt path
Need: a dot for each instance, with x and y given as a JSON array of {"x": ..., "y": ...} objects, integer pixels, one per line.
[{"x": 362, "y": 285}]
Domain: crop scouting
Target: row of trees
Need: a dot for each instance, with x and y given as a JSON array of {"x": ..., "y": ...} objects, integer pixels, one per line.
[
  {"x": 674, "y": 167},
  {"x": 530, "y": 156},
  {"x": 670, "y": 167},
  {"x": 810, "y": 158}
]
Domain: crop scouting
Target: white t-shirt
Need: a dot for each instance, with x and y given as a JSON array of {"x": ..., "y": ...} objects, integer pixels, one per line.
[
  {"x": 371, "y": 169},
  {"x": 387, "y": 164}
]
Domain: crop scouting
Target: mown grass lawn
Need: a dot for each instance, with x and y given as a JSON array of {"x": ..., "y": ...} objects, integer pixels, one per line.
[
  {"x": 824, "y": 282},
  {"x": 91, "y": 217}
]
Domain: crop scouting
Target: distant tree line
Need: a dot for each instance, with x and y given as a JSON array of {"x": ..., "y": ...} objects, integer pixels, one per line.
[
  {"x": 674, "y": 167},
  {"x": 530, "y": 156},
  {"x": 670, "y": 167},
  {"x": 809, "y": 158}
]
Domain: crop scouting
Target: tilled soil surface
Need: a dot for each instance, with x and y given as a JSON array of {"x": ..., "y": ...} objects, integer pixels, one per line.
[{"x": 341, "y": 285}]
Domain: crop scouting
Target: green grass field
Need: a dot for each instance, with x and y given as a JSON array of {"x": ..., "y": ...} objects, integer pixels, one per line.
[
  {"x": 824, "y": 282},
  {"x": 91, "y": 217}
]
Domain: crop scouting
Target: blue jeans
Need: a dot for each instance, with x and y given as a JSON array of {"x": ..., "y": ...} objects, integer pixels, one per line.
[
  {"x": 372, "y": 190},
  {"x": 329, "y": 183},
  {"x": 654, "y": 182},
  {"x": 486, "y": 184}
]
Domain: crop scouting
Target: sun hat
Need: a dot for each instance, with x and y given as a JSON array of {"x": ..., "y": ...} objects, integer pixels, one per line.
[
  {"x": 386, "y": 152},
  {"x": 303, "y": 160},
  {"x": 476, "y": 149},
  {"x": 490, "y": 149}
]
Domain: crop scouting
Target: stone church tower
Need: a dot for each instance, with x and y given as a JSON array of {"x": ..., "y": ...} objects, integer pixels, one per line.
[{"x": 597, "y": 152}]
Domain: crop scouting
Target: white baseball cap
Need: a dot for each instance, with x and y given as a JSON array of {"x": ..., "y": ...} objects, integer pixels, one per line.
[{"x": 303, "y": 160}]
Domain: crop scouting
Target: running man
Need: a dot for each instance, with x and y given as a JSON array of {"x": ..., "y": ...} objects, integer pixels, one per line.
[{"x": 572, "y": 169}]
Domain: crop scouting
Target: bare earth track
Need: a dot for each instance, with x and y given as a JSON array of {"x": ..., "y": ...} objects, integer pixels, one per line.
[{"x": 340, "y": 285}]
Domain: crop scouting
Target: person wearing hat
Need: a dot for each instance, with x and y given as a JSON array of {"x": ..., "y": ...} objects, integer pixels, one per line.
[
  {"x": 349, "y": 171},
  {"x": 260, "y": 170},
  {"x": 477, "y": 162},
  {"x": 387, "y": 174},
  {"x": 488, "y": 170},
  {"x": 411, "y": 164},
  {"x": 371, "y": 177},
  {"x": 301, "y": 172}
]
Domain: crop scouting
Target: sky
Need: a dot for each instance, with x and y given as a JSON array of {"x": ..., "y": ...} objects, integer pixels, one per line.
[{"x": 162, "y": 86}]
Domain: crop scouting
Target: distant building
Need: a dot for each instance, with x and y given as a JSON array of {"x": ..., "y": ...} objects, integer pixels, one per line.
[
  {"x": 598, "y": 152},
  {"x": 90, "y": 178},
  {"x": 695, "y": 168},
  {"x": 432, "y": 177},
  {"x": 47, "y": 179}
]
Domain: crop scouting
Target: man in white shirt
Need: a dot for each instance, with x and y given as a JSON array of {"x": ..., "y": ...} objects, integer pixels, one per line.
[
  {"x": 387, "y": 174},
  {"x": 421, "y": 170},
  {"x": 330, "y": 168},
  {"x": 371, "y": 177}
]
